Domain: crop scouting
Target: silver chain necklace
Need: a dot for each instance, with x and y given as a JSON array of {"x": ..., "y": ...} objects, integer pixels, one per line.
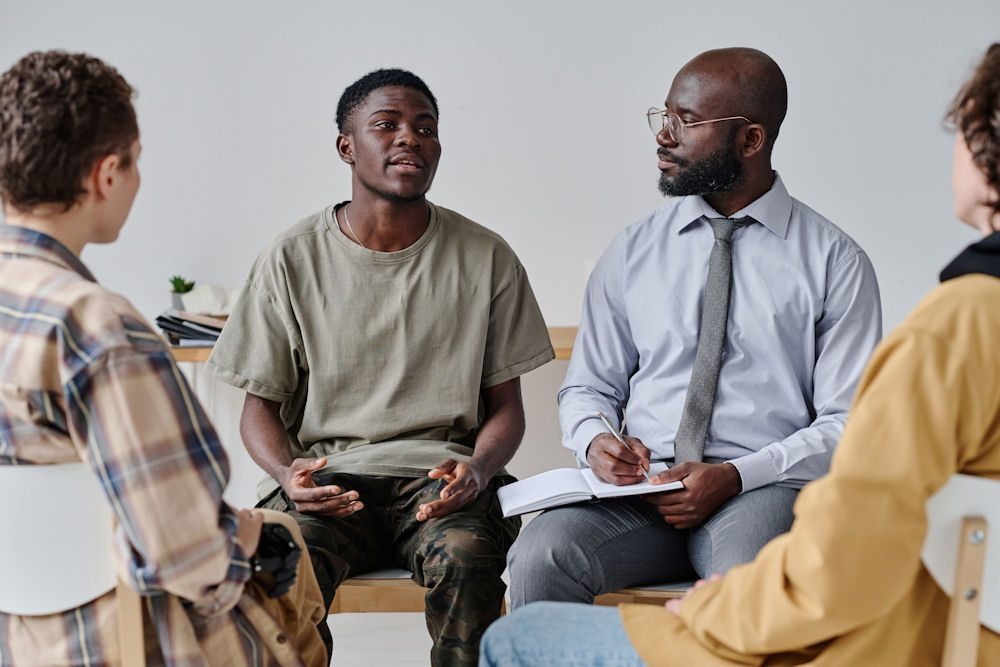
[{"x": 351, "y": 229}]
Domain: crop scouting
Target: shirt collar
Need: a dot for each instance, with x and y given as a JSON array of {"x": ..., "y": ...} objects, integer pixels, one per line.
[
  {"x": 23, "y": 242},
  {"x": 773, "y": 209}
]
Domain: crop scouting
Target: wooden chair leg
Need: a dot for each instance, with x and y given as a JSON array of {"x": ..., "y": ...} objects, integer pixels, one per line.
[
  {"x": 130, "y": 629},
  {"x": 961, "y": 644}
]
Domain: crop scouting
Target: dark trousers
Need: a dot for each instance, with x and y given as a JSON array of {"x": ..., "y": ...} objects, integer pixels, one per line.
[{"x": 459, "y": 557}]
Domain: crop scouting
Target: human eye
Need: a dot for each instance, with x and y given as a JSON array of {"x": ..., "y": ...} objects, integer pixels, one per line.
[
  {"x": 428, "y": 131},
  {"x": 384, "y": 124}
]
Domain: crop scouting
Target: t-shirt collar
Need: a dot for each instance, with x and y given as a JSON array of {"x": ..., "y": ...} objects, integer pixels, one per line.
[
  {"x": 23, "y": 242},
  {"x": 773, "y": 209}
]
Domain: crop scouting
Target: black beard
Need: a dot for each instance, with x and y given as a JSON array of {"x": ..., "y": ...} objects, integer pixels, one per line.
[{"x": 718, "y": 172}]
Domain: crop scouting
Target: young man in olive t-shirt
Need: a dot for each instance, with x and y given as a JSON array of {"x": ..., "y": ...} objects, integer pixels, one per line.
[{"x": 380, "y": 342}]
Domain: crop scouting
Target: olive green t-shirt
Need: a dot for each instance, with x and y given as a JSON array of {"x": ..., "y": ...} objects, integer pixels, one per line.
[{"x": 378, "y": 358}]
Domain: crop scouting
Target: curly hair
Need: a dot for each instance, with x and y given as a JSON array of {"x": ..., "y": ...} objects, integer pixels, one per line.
[
  {"x": 976, "y": 113},
  {"x": 59, "y": 114},
  {"x": 356, "y": 93}
]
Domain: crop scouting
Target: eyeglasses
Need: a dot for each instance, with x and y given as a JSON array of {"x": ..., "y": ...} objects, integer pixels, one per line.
[{"x": 661, "y": 118}]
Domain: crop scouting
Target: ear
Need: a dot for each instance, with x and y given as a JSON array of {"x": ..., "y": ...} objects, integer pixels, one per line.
[
  {"x": 754, "y": 140},
  {"x": 345, "y": 149},
  {"x": 103, "y": 176}
]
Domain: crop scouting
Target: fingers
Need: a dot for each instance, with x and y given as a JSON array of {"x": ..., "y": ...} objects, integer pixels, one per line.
[
  {"x": 301, "y": 466},
  {"x": 678, "y": 472},
  {"x": 674, "y": 606},
  {"x": 640, "y": 450},
  {"x": 439, "y": 508},
  {"x": 443, "y": 469},
  {"x": 667, "y": 499},
  {"x": 336, "y": 504},
  {"x": 316, "y": 463},
  {"x": 463, "y": 479},
  {"x": 334, "y": 508}
]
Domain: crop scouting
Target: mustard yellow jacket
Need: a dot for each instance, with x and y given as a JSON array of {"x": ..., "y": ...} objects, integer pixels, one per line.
[{"x": 846, "y": 585}]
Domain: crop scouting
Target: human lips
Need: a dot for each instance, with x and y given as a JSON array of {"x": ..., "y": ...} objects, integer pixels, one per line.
[
  {"x": 407, "y": 162},
  {"x": 666, "y": 160}
]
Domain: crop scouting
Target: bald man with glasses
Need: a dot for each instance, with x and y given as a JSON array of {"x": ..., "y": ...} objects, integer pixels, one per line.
[{"x": 731, "y": 326}]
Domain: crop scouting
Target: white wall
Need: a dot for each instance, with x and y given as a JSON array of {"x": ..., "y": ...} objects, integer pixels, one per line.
[{"x": 542, "y": 124}]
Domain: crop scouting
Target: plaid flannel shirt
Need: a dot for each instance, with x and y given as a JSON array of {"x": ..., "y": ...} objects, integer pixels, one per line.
[{"x": 83, "y": 377}]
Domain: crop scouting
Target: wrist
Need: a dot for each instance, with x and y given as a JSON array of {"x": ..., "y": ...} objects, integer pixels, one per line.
[
  {"x": 484, "y": 469},
  {"x": 735, "y": 480}
]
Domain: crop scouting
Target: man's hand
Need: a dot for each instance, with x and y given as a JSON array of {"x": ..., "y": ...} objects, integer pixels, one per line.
[
  {"x": 465, "y": 482},
  {"x": 674, "y": 606},
  {"x": 331, "y": 501},
  {"x": 706, "y": 486},
  {"x": 615, "y": 463}
]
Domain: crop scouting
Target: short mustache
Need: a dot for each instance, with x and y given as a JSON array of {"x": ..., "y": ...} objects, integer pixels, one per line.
[{"x": 667, "y": 155}]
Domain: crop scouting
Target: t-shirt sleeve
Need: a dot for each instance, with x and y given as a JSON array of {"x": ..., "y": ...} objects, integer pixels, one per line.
[
  {"x": 260, "y": 349},
  {"x": 517, "y": 340}
]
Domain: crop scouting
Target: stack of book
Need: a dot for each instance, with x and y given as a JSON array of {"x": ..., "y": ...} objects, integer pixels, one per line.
[{"x": 183, "y": 328}]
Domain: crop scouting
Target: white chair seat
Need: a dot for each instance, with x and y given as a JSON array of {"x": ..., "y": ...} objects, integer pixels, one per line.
[{"x": 57, "y": 527}]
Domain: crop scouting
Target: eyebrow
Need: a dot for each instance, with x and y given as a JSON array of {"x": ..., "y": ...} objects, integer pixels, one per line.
[
  {"x": 396, "y": 112},
  {"x": 682, "y": 110}
]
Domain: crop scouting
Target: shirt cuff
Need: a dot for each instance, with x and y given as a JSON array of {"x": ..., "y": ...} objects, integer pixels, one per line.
[
  {"x": 756, "y": 470},
  {"x": 585, "y": 434}
]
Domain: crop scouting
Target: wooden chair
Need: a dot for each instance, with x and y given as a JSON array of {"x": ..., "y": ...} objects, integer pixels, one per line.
[
  {"x": 959, "y": 558},
  {"x": 394, "y": 590},
  {"x": 56, "y": 553},
  {"x": 383, "y": 590},
  {"x": 652, "y": 594}
]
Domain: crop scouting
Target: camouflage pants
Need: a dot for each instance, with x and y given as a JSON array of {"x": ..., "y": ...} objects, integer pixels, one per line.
[{"x": 459, "y": 558}]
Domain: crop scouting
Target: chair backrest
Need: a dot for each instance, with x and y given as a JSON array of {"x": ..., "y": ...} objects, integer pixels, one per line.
[
  {"x": 965, "y": 496},
  {"x": 55, "y": 548}
]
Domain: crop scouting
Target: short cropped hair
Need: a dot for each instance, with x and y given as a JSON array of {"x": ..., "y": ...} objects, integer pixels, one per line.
[
  {"x": 356, "y": 93},
  {"x": 975, "y": 112},
  {"x": 59, "y": 114}
]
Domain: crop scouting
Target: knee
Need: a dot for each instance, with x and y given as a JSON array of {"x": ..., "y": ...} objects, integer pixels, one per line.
[
  {"x": 535, "y": 555},
  {"x": 520, "y": 632},
  {"x": 498, "y": 643},
  {"x": 459, "y": 548}
]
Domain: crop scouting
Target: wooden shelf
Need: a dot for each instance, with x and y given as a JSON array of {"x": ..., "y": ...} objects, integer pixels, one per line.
[
  {"x": 562, "y": 343},
  {"x": 192, "y": 354}
]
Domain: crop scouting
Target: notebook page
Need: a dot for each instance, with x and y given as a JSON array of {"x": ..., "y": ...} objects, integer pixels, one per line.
[
  {"x": 606, "y": 490},
  {"x": 543, "y": 490}
]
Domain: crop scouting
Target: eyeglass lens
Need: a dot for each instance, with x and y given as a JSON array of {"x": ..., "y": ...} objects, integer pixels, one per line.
[{"x": 661, "y": 119}]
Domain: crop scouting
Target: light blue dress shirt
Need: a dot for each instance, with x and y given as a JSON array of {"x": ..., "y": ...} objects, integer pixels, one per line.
[{"x": 804, "y": 317}]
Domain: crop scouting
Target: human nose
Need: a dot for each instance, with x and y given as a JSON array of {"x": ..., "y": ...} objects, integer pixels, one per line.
[
  {"x": 664, "y": 137},
  {"x": 407, "y": 136}
]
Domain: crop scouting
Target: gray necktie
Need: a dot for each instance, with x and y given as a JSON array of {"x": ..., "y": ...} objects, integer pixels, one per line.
[{"x": 690, "y": 442}]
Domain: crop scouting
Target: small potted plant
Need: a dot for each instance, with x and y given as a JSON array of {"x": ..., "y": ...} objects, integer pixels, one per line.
[{"x": 179, "y": 286}]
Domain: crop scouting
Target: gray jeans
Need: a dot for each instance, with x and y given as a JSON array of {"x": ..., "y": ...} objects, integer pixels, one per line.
[{"x": 573, "y": 553}]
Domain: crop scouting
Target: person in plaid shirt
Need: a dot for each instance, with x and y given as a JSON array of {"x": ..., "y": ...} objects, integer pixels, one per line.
[{"x": 84, "y": 377}]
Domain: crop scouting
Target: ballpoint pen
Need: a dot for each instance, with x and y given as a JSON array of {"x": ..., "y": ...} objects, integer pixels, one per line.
[{"x": 619, "y": 438}]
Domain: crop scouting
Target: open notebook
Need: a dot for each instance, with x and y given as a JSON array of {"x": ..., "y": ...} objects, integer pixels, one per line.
[{"x": 570, "y": 485}]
